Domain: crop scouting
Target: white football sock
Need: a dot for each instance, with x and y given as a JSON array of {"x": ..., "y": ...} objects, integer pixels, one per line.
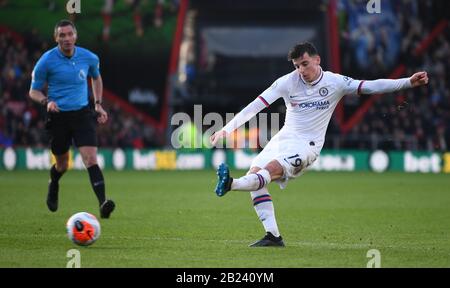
[
  {"x": 262, "y": 202},
  {"x": 252, "y": 182}
]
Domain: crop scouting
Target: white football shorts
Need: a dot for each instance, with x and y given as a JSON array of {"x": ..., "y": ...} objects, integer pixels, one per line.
[{"x": 292, "y": 152}]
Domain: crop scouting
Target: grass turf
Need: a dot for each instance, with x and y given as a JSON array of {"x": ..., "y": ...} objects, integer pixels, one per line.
[{"x": 174, "y": 219}]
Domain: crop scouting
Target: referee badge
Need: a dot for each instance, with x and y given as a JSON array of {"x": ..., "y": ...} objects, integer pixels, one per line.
[
  {"x": 323, "y": 91},
  {"x": 82, "y": 74}
]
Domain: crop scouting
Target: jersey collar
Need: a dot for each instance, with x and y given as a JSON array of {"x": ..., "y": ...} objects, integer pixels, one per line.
[
  {"x": 60, "y": 54},
  {"x": 314, "y": 82}
]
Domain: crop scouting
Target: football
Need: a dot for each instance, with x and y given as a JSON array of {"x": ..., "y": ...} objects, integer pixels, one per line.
[{"x": 83, "y": 228}]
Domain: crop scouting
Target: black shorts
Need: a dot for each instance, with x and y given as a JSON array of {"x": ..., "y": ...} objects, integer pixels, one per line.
[{"x": 66, "y": 127}]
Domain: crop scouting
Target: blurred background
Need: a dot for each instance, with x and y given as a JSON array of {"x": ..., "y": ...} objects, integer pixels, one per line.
[{"x": 161, "y": 57}]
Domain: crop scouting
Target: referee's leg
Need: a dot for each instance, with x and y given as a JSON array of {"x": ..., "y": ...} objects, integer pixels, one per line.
[
  {"x": 56, "y": 172},
  {"x": 89, "y": 156}
]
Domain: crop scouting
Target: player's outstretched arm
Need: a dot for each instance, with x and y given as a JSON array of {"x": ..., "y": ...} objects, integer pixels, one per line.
[
  {"x": 392, "y": 85},
  {"x": 241, "y": 118}
]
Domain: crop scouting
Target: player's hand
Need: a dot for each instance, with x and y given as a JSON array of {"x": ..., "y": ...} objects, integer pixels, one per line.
[
  {"x": 217, "y": 136},
  {"x": 52, "y": 107},
  {"x": 102, "y": 115},
  {"x": 419, "y": 79}
]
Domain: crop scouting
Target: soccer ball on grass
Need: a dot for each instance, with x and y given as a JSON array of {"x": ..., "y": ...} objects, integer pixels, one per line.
[{"x": 83, "y": 228}]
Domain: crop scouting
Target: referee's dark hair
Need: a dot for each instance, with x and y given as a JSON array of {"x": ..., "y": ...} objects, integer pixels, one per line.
[
  {"x": 63, "y": 23},
  {"x": 300, "y": 49}
]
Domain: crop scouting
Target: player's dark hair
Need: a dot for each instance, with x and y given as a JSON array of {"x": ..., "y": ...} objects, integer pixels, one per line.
[
  {"x": 300, "y": 49},
  {"x": 63, "y": 23}
]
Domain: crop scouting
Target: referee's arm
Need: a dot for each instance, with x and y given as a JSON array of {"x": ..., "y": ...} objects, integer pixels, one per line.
[
  {"x": 38, "y": 96},
  {"x": 97, "y": 90},
  {"x": 38, "y": 80}
]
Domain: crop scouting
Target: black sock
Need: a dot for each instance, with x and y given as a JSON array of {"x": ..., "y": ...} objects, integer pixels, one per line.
[
  {"x": 97, "y": 182},
  {"x": 55, "y": 174}
]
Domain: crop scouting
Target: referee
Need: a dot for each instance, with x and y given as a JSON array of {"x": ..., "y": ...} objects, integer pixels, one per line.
[{"x": 65, "y": 69}]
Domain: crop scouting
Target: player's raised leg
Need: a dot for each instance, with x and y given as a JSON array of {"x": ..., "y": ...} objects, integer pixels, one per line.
[
  {"x": 56, "y": 172},
  {"x": 250, "y": 182}
]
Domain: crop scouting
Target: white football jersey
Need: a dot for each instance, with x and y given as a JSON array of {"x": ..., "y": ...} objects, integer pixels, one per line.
[{"x": 309, "y": 106}]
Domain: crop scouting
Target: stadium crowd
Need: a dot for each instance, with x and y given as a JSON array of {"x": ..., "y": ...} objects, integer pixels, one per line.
[{"x": 415, "y": 119}]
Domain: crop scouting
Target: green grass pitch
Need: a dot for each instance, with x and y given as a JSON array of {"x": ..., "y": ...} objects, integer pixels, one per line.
[{"x": 174, "y": 219}]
